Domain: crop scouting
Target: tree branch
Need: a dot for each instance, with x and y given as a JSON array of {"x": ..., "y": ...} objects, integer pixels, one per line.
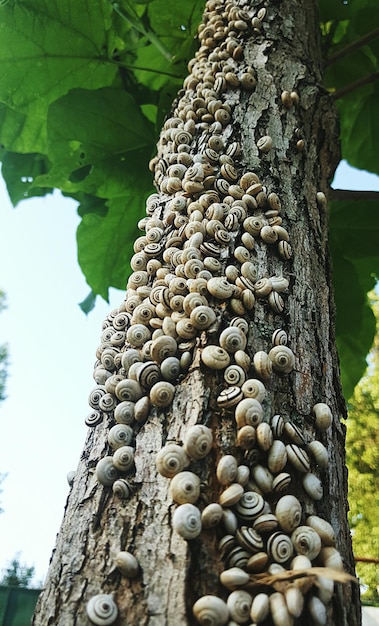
[
  {"x": 374, "y": 34},
  {"x": 347, "y": 194},
  {"x": 366, "y": 80}
]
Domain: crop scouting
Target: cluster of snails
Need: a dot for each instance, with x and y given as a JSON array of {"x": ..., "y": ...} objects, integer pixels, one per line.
[{"x": 195, "y": 281}]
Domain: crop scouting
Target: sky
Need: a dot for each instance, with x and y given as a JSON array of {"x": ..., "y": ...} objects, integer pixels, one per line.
[{"x": 51, "y": 355}]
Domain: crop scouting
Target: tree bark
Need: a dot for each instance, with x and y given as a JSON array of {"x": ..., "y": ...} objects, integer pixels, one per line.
[{"x": 283, "y": 49}]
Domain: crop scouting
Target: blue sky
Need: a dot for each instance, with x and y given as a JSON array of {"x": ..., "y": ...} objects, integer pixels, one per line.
[{"x": 52, "y": 351}]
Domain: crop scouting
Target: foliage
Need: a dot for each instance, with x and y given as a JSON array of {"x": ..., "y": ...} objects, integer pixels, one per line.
[
  {"x": 82, "y": 102},
  {"x": 362, "y": 447},
  {"x": 17, "y": 574}
]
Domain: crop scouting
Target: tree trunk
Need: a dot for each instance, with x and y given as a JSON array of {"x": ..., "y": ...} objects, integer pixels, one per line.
[{"x": 254, "y": 94}]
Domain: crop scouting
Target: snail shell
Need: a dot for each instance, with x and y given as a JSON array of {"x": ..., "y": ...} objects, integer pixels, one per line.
[
  {"x": 185, "y": 487},
  {"x": 265, "y": 523},
  {"x": 211, "y": 611},
  {"x": 230, "y": 521},
  {"x": 317, "y": 611},
  {"x": 243, "y": 475},
  {"x": 215, "y": 357},
  {"x": 122, "y": 489},
  {"x": 264, "y": 436},
  {"x": 294, "y": 600},
  {"x": 322, "y": 528},
  {"x": 102, "y": 610},
  {"x": 233, "y": 339},
  {"x": 171, "y": 459},
  {"x": 246, "y": 437},
  {"x": 186, "y": 521},
  {"x": 260, "y": 608},
  {"x": 234, "y": 375},
  {"x": 170, "y": 368},
  {"x": 254, "y": 388},
  {"x": 137, "y": 335},
  {"x": 283, "y": 359},
  {"x": 129, "y": 357},
  {"x": 94, "y": 418},
  {"x": 250, "y": 506},
  {"x": 330, "y": 557},
  {"x": 141, "y": 409},
  {"x": 281, "y": 482},
  {"x": 277, "y": 425},
  {"x": 262, "y": 364},
  {"x": 202, "y": 317},
  {"x": 263, "y": 478},
  {"x": 277, "y": 456},
  {"x": 128, "y": 390},
  {"x": 249, "y": 539},
  {"x": 294, "y": 433},
  {"x": 163, "y": 347},
  {"x": 248, "y": 412},
  {"x": 239, "y": 604},
  {"x": 234, "y": 577},
  {"x": 148, "y": 374},
  {"x": 127, "y": 564},
  {"x": 279, "y": 337},
  {"x": 279, "y": 612},
  {"x": 162, "y": 393},
  {"x": 123, "y": 458},
  {"x": 211, "y": 516},
  {"x": 229, "y": 397},
  {"x": 257, "y": 562},
  {"x": 120, "y": 435},
  {"x": 279, "y": 547},
  {"x": 220, "y": 288},
  {"x": 313, "y": 486},
  {"x": 288, "y": 513},
  {"x": 242, "y": 359},
  {"x": 325, "y": 589},
  {"x": 300, "y": 562},
  {"x": 124, "y": 412},
  {"x": 298, "y": 458},
  {"x": 306, "y": 542},
  {"x": 231, "y": 495},
  {"x": 319, "y": 453},
  {"x": 198, "y": 441},
  {"x": 323, "y": 416},
  {"x": 106, "y": 471},
  {"x": 71, "y": 477},
  {"x": 226, "y": 471}
]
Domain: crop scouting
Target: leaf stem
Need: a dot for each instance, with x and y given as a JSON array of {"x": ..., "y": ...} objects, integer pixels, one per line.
[
  {"x": 366, "y": 80},
  {"x": 348, "y": 194},
  {"x": 137, "y": 24},
  {"x": 374, "y": 34}
]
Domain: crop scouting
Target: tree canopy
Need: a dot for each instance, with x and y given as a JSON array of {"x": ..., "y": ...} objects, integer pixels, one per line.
[
  {"x": 82, "y": 102},
  {"x": 17, "y": 574}
]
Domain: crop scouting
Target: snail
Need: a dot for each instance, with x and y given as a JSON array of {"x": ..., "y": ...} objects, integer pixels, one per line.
[
  {"x": 239, "y": 603},
  {"x": 102, "y": 610},
  {"x": 211, "y": 611},
  {"x": 171, "y": 459},
  {"x": 185, "y": 487},
  {"x": 306, "y": 541},
  {"x": 162, "y": 394},
  {"x": 288, "y": 512},
  {"x": 198, "y": 441},
  {"x": 211, "y": 516},
  {"x": 186, "y": 521},
  {"x": 106, "y": 471},
  {"x": 127, "y": 564},
  {"x": 123, "y": 458},
  {"x": 120, "y": 435},
  {"x": 226, "y": 470}
]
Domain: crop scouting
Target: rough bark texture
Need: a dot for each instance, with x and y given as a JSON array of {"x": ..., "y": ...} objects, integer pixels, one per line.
[{"x": 174, "y": 573}]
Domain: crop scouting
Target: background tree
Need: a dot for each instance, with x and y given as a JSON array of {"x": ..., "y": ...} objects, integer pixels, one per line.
[
  {"x": 312, "y": 274},
  {"x": 17, "y": 574}
]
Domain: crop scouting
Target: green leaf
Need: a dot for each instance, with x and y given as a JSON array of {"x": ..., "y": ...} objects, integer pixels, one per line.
[
  {"x": 19, "y": 172},
  {"x": 105, "y": 244},
  {"x": 20, "y": 132},
  {"x": 98, "y": 142},
  {"x": 49, "y": 47},
  {"x": 88, "y": 303}
]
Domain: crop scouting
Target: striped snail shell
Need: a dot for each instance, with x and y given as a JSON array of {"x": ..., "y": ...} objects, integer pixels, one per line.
[
  {"x": 294, "y": 433},
  {"x": 94, "y": 418},
  {"x": 95, "y": 396},
  {"x": 162, "y": 393},
  {"x": 198, "y": 441},
  {"x": 202, "y": 317},
  {"x": 170, "y": 368},
  {"x": 250, "y": 506},
  {"x": 234, "y": 577},
  {"x": 123, "y": 458},
  {"x": 234, "y": 375},
  {"x": 128, "y": 390},
  {"x": 298, "y": 458},
  {"x": 278, "y": 609},
  {"x": 102, "y": 610},
  {"x": 254, "y": 388},
  {"x": 319, "y": 453},
  {"x": 226, "y": 470},
  {"x": 279, "y": 337},
  {"x": 127, "y": 564},
  {"x": 215, "y": 357},
  {"x": 211, "y": 516},
  {"x": 249, "y": 539},
  {"x": 211, "y": 611},
  {"x": 306, "y": 541},
  {"x": 284, "y": 249},
  {"x": 260, "y": 608},
  {"x": 248, "y": 411},
  {"x": 262, "y": 364},
  {"x": 294, "y": 600},
  {"x": 283, "y": 359},
  {"x": 288, "y": 513},
  {"x": 107, "y": 402},
  {"x": 171, "y": 459},
  {"x": 229, "y": 397},
  {"x": 124, "y": 412},
  {"x": 239, "y": 604},
  {"x": 106, "y": 471},
  {"x": 186, "y": 521},
  {"x": 277, "y": 425},
  {"x": 323, "y": 416},
  {"x": 148, "y": 374},
  {"x": 122, "y": 489},
  {"x": 120, "y": 435},
  {"x": 185, "y": 487},
  {"x": 323, "y": 529},
  {"x": 281, "y": 482},
  {"x": 279, "y": 547},
  {"x": 276, "y": 302},
  {"x": 312, "y": 486}
]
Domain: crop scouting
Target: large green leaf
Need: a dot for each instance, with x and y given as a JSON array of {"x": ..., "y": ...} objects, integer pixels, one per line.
[
  {"x": 20, "y": 172},
  {"x": 105, "y": 244},
  {"x": 22, "y": 133}
]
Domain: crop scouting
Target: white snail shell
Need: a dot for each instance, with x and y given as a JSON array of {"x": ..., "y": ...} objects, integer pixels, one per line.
[
  {"x": 162, "y": 393},
  {"x": 294, "y": 600},
  {"x": 198, "y": 441},
  {"x": 234, "y": 577},
  {"x": 288, "y": 513},
  {"x": 123, "y": 458},
  {"x": 260, "y": 608},
  {"x": 239, "y": 603},
  {"x": 185, "y": 487},
  {"x": 279, "y": 611},
  {"x": 323, "y": 416},
  {"x": 211, "y": 516},
  {"x": 264, "y": 436},
  {"x": 171, "y": 459},
  {"x": 298, "y": 458},
  {"x": 313, "y": 486},
  {"x": 283, "y": 359},
  {"x": 306, "y": 541},
  {"x": 124, "y": 412},
  {"x": 215, "y": 357},
  {"x": 106, "y": 472},
  {"x": 102, "y": 610},
  {"x": 231, "y": 495},
  {"x": 71, "y": 477},
  {"x": 262, "y": 364},
  {"x": 120, "y": 435},
  {"x": 230, "y": 521},
  {"x": 226, "y": 471},
  {"x": 277, "y": 456},
  {"x": 330, "y": 557},
  {"x": 211, "y": 611},
  {"x": 127, "y": 564},
  {"x": 262, "y": 477},
  {"x": 254, "y": 388},
  {"x": 248, "y": 411},
  {"x": 186, "y": 521},
  {"x": 323, "y": 529},
  {"x": 122, "y": 489},
  {"x": 319, "y": 453},
  {"x": 233, "y": 339},
  {"x": 317, "y": 611}
]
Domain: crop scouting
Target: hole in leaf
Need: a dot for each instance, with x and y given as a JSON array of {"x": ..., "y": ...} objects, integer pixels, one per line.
[{"x": 80, "y": 174}]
